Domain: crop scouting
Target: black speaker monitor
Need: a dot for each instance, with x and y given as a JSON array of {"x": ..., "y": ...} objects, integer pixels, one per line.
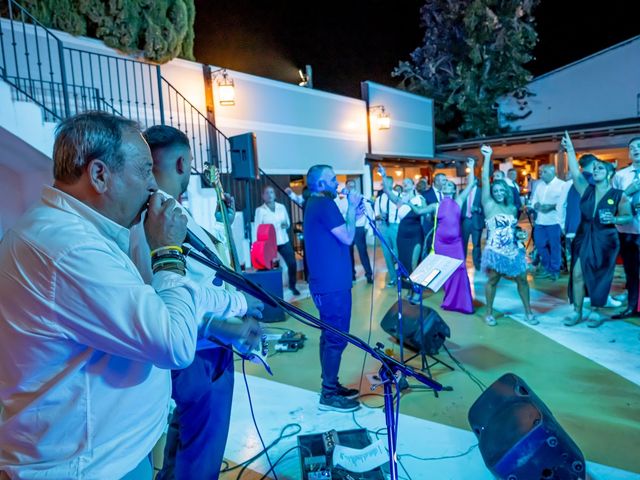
[
  {"x": 244, "y": 156},
  {"x": 434, "y": 330},
  {"x": 519, "y": 438}
]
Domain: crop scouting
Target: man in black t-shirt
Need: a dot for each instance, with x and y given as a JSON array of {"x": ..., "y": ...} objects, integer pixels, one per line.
[{"x": 328, "y": 237}]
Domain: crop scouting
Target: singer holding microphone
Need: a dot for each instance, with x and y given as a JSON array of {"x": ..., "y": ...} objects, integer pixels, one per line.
[
  {"x": 203, "y": 391},
  {"x": 85, "y": 345},
  {"x": 328, "y": 237}
]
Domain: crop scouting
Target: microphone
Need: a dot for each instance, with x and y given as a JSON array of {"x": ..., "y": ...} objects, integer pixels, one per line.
[{"x": 199, "y": 245}]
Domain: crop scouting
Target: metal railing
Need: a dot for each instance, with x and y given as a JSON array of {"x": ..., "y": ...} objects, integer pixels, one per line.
[{"x": 64, "y": 81}]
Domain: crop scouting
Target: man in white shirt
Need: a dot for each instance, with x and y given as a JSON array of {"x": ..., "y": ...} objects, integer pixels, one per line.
[
  {"x": 203, "y": 391},
  {"x": 548, "y": 202},
  {"x": 85, "y": 345},
  {"x": 387, "y": 212},
  {"x": 360, "y": 239},
  {"x": 275, "y": 213},
  {"x": 628, "y": 179}
]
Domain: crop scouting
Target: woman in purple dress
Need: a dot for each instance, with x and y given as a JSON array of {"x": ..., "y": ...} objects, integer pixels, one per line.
[
  {"x": 447, "y": 241},
  {"x": 503, "y": 256}
]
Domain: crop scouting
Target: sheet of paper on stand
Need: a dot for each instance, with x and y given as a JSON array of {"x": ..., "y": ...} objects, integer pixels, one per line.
[{"x": 434, "y": 270}]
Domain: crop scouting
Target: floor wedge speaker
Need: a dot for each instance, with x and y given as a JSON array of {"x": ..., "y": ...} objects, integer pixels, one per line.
[
  {"x": 434, "y": 330},
  {"x": 519, "y": 438}
]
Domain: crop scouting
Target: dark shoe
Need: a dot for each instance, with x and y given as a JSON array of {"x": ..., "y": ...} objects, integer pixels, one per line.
[
  {"x": 336, "y": 403},
  {"x": 392, "y": 283},
  {"x": 295, "y": 291},
  {"x": 369, "y": 280},
  {"x": 629, "y": 313},
  {"x": 345, "y": 392}
]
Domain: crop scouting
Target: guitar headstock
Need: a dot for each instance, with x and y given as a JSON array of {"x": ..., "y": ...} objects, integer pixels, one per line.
[{"x": 212, "y": 174}]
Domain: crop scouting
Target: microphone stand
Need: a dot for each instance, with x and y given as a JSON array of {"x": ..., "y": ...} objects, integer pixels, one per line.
[
  {"x": 401, "y": 272},
  {"x": 389, "y": 366}
]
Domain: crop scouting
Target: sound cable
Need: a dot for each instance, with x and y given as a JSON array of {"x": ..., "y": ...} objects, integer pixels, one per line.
[
  {"x": 373, "y": 275},
  {"x": 281, "y": 436},
  {"x": 473, "y": 378},
  {"x": 444, "y": 457},
  {"x": 255, "y": 423},
  {"x": 295, "y": 447}
]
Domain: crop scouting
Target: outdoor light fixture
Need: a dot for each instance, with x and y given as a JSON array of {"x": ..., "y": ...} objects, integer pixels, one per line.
[
  {"x": 226, "y": 88},
  {"x": 380, "y": 118},
  {"x": 306, "y": 77}
]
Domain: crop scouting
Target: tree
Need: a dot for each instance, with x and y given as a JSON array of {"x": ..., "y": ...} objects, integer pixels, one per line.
[
  {"x": 473, "y": 53},
  {"x": 157, "y": 29}
]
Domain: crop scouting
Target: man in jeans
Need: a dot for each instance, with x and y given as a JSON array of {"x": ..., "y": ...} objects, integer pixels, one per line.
[
  {"x": 387, "y": 212},
  {"x": 628, "y": 179},
  {"x": 548, "y": 202},
  {"x": 327, "y": 239}
]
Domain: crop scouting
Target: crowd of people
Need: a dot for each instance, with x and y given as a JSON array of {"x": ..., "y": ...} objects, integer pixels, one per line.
[
  {"x": 109, "y": 319},
  {"x": 594, "y": 225}
]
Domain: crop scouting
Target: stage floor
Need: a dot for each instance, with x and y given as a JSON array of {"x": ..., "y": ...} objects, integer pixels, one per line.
[{"x": 589, "y": 379}]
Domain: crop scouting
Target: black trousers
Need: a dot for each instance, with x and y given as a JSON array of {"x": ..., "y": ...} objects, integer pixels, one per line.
[
  {"x": 630, "y": 253},
  {"x": 468, "y": 230},
  {"x": 286, "y": 250},
  {"x": 360, "y": 241}
]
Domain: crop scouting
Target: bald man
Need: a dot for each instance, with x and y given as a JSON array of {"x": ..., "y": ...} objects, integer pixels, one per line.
[{"x": 327, "y": 237}]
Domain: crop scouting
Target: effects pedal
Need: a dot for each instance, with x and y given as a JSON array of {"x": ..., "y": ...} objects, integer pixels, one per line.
[{"x": 290, "y": 342}]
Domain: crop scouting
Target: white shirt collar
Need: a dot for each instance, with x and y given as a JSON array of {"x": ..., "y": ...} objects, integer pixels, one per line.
[{"x": 56, "y": 198}]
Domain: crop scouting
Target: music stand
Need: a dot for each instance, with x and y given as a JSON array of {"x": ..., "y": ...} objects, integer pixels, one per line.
[{"x": 403, "y": 273}]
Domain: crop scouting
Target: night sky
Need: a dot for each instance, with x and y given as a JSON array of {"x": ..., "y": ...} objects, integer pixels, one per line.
[{"x": 354, "y": 40}]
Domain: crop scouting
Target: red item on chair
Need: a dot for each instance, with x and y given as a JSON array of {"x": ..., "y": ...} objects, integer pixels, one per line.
[{"x": 265, "y": 249}]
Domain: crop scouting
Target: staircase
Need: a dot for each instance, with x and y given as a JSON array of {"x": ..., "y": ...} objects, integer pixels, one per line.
[{"x": 43, "y": 80}]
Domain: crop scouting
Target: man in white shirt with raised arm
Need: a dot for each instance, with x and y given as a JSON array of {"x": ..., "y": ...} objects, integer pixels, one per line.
[
  {"x": 203, "y": 391},
  {"x": 86, "y": 347},
  {"x": 387, "y": 212}
]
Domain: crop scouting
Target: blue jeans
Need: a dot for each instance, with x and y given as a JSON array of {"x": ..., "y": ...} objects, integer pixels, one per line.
[
  {"x": 547, "y": 240},
  {"x": 390, "y": 235},
  {"x": 200, "y": 423},
  {"x": 335, "y": 309}
]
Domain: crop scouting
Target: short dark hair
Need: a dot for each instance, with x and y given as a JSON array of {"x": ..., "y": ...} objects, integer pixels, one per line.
[
  {"x": 633, "y": 139},
  {"x": 587, "y": 159},
  {"x": 163, "y": 136},
  {"x": 314, "y": 174},
  {"x": 85, "y": 137}
]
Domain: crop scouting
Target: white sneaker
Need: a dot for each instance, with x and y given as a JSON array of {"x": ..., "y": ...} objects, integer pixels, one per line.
[
  {"x": 621, "y": 297},
  {"x": 612, "y": 302}
]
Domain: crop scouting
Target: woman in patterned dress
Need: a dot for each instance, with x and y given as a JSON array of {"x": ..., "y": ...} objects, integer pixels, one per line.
[{"x": 502, "y": 255}]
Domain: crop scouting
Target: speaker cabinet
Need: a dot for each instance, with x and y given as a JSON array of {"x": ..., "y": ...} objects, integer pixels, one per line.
[
  {"x": 244, "y": 157},
  {"x": 434, "y": 330},
  {"x": 271, "y": 281},
  {"x": 519, "y": 438}
]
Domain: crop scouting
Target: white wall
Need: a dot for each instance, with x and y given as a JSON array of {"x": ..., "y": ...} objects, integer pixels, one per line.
[
  {"x": 296, "y": 127},
  {"x": 602, "y": 87},
  {"x": 411, "y": 133}
]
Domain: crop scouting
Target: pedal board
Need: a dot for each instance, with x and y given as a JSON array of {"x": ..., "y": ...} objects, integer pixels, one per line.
[
  {"x": 316, "y": 455},
  {"x": 290, "y": 342}
]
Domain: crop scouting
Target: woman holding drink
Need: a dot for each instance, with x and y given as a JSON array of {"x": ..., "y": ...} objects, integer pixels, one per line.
[{"x": 596, "y": 244}]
